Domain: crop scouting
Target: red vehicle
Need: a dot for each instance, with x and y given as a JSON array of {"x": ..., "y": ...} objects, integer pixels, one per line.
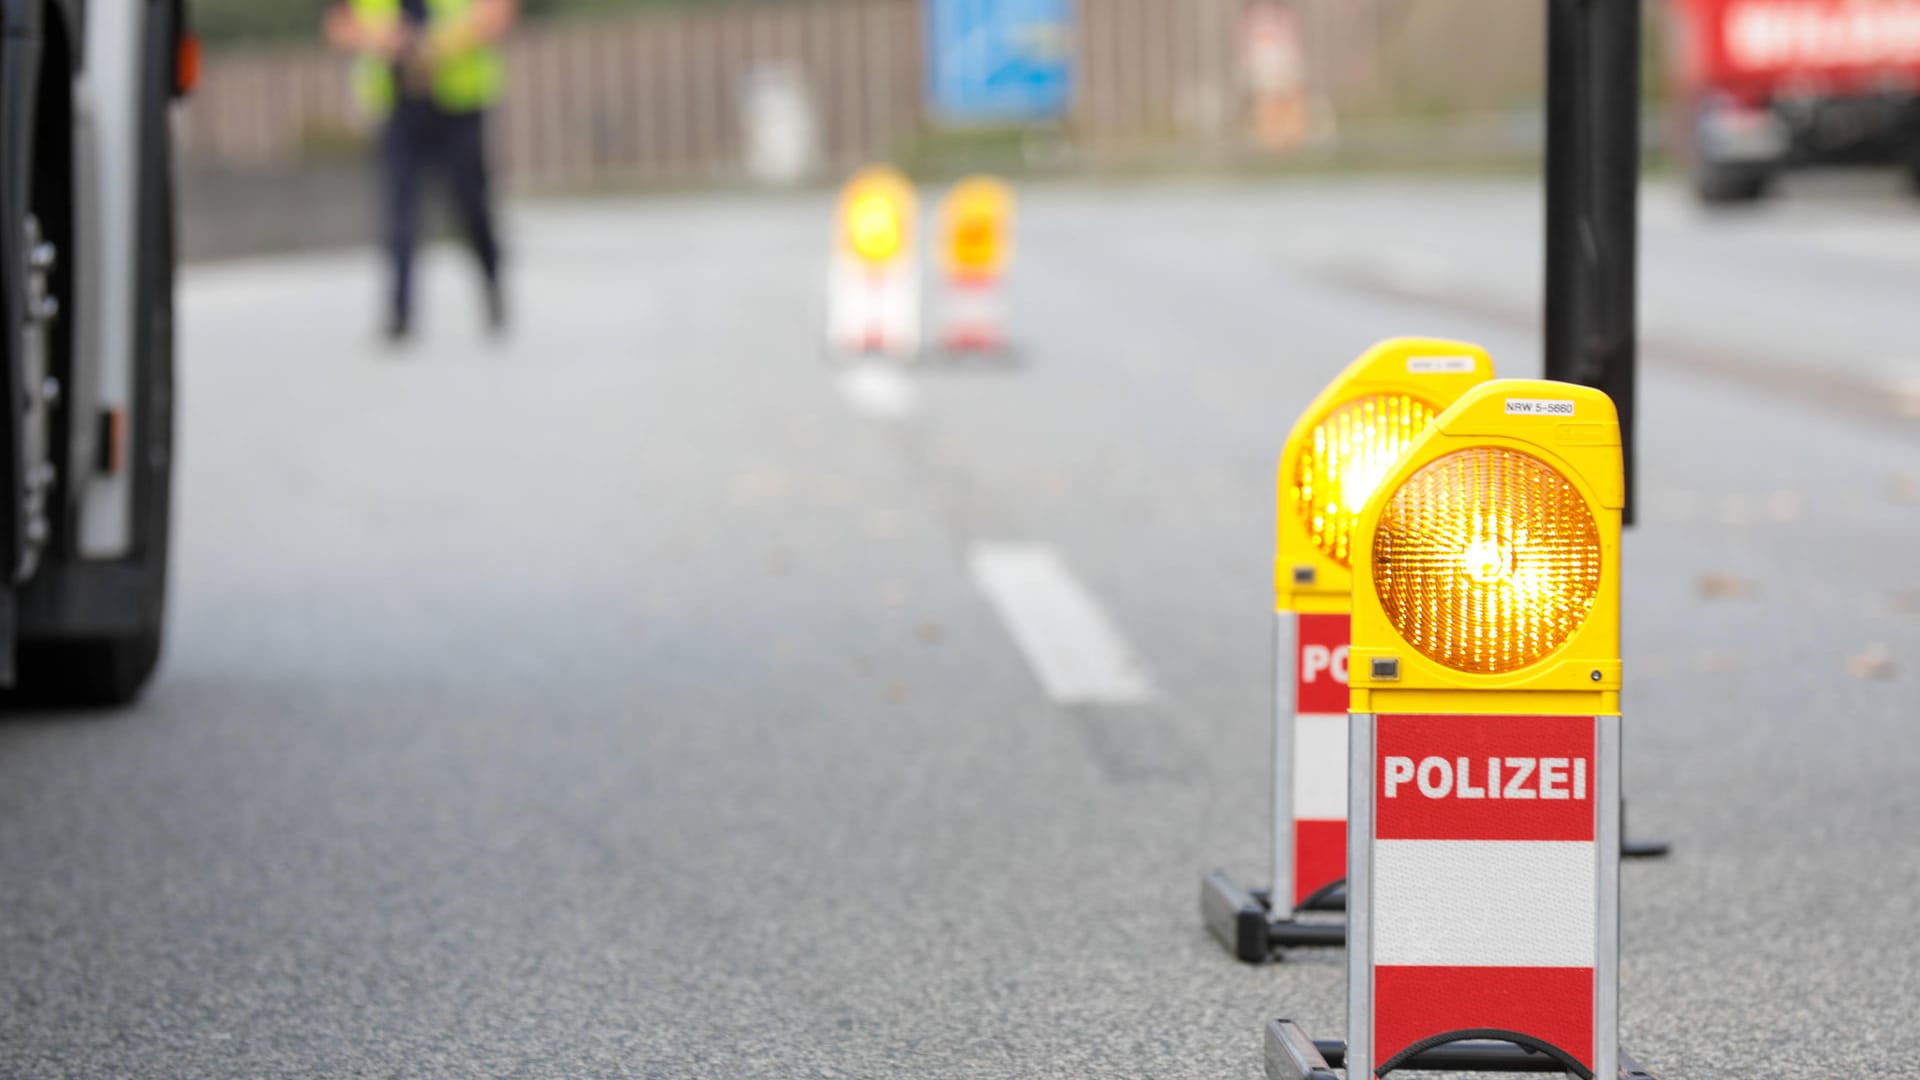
[{"x": 1761, "y": 86}]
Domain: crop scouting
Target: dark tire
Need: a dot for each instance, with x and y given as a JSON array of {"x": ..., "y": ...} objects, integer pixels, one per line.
[
  {"x": 105, "y": 671},
  {"x": 1727, "y": 185}
]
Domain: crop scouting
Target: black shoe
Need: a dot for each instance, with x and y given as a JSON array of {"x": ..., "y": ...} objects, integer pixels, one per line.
[
  {"x": 496, "y": 309},
  {"x": 398, "y": 330}
]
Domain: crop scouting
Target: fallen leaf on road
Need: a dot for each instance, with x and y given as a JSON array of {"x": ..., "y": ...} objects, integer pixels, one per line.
[
  {"x": 1784, "y": 506},
  {"x": 1725, "y": 587},
  {"x": 1906, "y": 398},
  {"x": 893, "y": 595},
  {"x": 1875, "y": 663},
  {"x": 1714, "y": 661}
]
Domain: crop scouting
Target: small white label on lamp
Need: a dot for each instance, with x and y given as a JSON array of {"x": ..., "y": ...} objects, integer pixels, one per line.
[
  {"x": 1438, "y": 365},
  {"x": 1539, "y": 407}
]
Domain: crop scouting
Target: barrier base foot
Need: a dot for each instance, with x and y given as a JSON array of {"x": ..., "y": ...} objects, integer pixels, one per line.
[
  {"x": 1003, "y": 356},
  {"x": 1292, "y": 1055},
  {"x": 1639, "y": 849},
  {"x": 1331, "y": 898},
  {"x": 1241, "y": 920}
]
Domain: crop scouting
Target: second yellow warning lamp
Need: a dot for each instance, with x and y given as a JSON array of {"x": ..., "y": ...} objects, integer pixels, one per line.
[
  {"x": 1344, "y": 445},
  {"x": 1335, "y": 457},
  {"x": 976, "y": 225}
]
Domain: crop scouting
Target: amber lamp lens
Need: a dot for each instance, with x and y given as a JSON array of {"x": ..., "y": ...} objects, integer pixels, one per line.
[
  {"x": 976, "y": 241},
  {"x": 874, "y": 228},
  {"x": 1487, "y": 560},
  {"x": 1345, "y": 459}
]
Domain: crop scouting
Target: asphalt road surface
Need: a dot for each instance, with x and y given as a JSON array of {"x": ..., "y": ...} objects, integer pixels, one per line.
[{"x": 631, "y": 698}]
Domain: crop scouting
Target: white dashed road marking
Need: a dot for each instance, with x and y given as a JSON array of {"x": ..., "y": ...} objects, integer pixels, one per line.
[
  {"x": 879, "y": 391},
  {"x": 1073, "y": 647}
]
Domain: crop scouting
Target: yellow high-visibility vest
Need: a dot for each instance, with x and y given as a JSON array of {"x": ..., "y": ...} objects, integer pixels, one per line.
[{"x": 468, "y": 81}]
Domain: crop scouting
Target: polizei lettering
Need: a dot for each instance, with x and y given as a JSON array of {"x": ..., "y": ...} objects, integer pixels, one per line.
[
  {"x": 1487, "y": 778},
  {"x": 1318, "y": 659}
]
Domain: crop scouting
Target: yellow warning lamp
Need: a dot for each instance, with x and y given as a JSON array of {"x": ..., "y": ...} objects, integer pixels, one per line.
[
  {"x": 1344, "y": 445},
  {"x": 877, "y": 209},
  {"x": 976, "y": 226},
  {"x": 1489, "y": 560}
]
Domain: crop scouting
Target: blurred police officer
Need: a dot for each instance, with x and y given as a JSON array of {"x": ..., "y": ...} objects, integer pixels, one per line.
[{"x": 430, "y": 69}]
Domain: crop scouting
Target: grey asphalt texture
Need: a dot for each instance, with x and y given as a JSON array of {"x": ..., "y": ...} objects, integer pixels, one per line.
[{"x": 613, "y": 700}]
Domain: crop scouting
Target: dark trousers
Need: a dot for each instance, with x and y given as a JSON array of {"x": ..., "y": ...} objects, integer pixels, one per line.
[{"x": 420, "y": 136}]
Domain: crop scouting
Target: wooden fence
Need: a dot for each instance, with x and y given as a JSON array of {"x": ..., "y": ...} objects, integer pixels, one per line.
[{"x": 657, "y": 97}]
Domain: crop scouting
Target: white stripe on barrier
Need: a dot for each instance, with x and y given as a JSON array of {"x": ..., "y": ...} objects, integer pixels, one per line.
[
  {"x": 1320, "y": 767},
  {"x": 1484, "y": 903}
]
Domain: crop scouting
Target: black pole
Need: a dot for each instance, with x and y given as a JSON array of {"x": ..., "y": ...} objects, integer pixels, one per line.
[
  {"x": 1593, "y": 189},
  {"x": 1568, "y": 149}
]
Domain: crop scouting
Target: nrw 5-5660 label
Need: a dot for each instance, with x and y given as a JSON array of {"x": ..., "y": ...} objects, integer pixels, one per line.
[{"x": 1539, "y": 407}]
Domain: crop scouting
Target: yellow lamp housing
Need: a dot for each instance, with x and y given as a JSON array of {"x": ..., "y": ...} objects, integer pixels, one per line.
[
  {"x": 1344, "y": 445},
  {"x": 877, "y": 212},
  {"x": 976, "y": 228},
  {"x": 1488, "y": 561}
]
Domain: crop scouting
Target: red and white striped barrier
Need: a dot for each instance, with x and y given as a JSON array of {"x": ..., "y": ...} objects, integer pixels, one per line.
[
  {"x": 873, "y": 280},
  {"x": 873, "y": 310},
  {"x": 973, "y": 314},
  {"x": 1484, "y": 810},
  {"x": 1483, "y": 898},
  {"x": 1312, "y": 792},
  {"x": 976, "y": 228}
]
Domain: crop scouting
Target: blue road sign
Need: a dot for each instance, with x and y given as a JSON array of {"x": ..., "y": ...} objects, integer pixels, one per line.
[{"x": 999, "y": 61}]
